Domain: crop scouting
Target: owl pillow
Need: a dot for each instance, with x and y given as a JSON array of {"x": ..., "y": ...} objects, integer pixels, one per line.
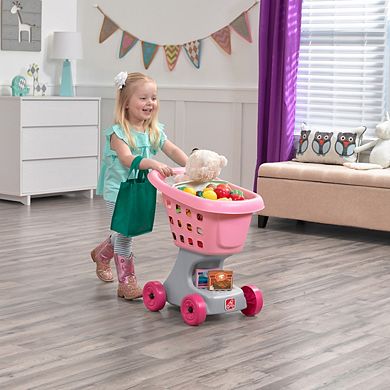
[{"x": 328, "y": 147}]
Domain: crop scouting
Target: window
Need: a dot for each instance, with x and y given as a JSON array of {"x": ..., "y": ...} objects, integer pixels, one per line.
[{"x": 341, "y": 76}]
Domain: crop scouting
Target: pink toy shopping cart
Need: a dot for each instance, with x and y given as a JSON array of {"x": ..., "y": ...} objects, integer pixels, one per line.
[{"x": 206, "y": 232}]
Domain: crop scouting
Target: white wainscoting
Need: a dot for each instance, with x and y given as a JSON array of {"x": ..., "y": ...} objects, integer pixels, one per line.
[{"x": 219, "y": 119}]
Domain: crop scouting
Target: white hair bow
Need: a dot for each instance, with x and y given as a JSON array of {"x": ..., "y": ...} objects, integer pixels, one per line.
[{"x": 120, "y": 79}]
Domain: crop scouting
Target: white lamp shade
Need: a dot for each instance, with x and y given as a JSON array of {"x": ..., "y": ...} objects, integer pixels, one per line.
[{"x": 67, "y": 45}]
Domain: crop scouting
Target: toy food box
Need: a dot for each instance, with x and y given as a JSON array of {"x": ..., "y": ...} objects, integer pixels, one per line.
[
  {"x": 220, "y": 280},
  {"x": 201, "y": 277}
]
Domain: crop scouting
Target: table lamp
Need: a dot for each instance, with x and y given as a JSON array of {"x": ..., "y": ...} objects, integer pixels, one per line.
[{"x": 67, "y": 46}]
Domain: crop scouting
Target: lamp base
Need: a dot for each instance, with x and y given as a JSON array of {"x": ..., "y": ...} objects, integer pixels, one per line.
[{"x": 66, "y": 80}]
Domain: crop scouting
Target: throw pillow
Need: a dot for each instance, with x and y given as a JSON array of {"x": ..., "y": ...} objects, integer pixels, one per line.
[{"x": 328, "y": 147}]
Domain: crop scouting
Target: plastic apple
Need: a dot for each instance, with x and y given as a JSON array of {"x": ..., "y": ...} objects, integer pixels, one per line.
[
  {"x": 222, "y": 192},
  {"x": 224, "y": 186}
]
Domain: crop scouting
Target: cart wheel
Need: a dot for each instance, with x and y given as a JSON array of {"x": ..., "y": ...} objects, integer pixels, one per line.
[
  {"x": 254, "y": 300},
  {"x": 193, "y": 309},
  {"x": 154, "y": 296}
]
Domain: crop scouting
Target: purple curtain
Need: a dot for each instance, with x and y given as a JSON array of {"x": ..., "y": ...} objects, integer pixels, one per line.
[{"x": 279, "y": 38}]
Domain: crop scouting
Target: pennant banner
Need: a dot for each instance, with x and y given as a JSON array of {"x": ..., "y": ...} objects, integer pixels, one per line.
[
  {"x": 222, "y": 37},
  {"x": 193, "y": 49},
  {"x": 127, "y": 42},
  {"x": 108, "y": 28},
  {"x": 241, "y": 26},
  {"x": 172, "y": 55},
  {"x": 149, "y": 50}
]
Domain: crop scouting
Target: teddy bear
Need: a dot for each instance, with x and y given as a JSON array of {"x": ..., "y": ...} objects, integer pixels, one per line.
[
  {"x": 202, "y": 166},
  {"x": 380, "y": 153}
]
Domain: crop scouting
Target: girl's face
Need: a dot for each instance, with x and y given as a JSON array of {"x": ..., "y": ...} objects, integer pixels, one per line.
[{"x": 143, "y": 102}]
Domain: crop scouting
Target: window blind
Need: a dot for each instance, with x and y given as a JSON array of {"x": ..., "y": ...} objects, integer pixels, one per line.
[{"x": 341, "y": 79}]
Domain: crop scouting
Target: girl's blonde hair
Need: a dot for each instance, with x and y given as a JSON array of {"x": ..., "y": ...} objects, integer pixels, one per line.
[{"x": 123, "y": 96}]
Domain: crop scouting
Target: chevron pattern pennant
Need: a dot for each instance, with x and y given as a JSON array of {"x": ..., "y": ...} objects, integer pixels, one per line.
[
  {"x": 222, "y": 37},
  {"x": 149, "y": 50},
  {"x": 193, "y": 51},
  {"x": 127, "y": 42},
  {"x": 108, "y": 28},
  {"x": 241, "y": 26},
  {"x": 172, "y": 55}
]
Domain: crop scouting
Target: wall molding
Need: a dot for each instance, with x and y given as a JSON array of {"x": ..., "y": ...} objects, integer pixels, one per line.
[{"x": 183, "y": 93}]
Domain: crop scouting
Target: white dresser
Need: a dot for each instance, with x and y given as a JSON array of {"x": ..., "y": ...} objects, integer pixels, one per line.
[{"x": 48, "y": 145}]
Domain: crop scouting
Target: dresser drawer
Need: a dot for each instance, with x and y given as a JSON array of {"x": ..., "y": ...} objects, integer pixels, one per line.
[
  {"x": 59, "y": 112},
  {"x": 58, "y": 142},
  {"x": 58, "y": 175}
]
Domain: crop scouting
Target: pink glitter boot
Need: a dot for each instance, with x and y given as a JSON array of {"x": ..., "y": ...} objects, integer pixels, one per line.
[
  {"x": 127, "y": 287},
  {"x": 102, "y": 255}
]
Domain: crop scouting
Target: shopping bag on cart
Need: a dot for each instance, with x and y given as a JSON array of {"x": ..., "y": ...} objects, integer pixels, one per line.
[{"x": 135, "y": 205}]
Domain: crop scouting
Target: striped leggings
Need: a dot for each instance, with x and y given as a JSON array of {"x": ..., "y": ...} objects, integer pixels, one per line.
[{"x": 123, "y": 245}]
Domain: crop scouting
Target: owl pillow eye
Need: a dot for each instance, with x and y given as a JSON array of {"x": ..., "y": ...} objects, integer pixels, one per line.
[
  {"x": 319, "y": 137},
  {"x": 350, "y": 139},
  {"x": 326, "y": 137},
  {"x": 342, "y": 138}
]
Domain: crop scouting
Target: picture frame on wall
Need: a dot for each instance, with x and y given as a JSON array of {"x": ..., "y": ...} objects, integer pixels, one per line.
[{"x": 21, "y": 22}]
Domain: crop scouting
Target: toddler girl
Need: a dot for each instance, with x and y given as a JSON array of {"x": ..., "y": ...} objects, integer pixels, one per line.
[{"x": 136, "y": 132}]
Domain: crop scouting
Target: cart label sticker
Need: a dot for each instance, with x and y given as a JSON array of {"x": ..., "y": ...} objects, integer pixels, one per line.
[{"x": 230, "y": 304}]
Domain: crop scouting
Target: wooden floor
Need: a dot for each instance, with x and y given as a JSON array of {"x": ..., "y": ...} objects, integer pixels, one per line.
[{"x": 325, "y": 323}]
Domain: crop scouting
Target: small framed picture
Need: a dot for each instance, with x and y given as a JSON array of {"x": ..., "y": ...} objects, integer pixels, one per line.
[{"x": 21, "y": 22}]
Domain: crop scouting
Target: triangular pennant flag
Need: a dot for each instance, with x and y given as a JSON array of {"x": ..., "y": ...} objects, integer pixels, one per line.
[
  {"x": 128, "y": 41},
  {"x": 172, "y": 55},
  {"x": 241, "y": 26},
  {"x": 193, "y": 50},
  {"x": 222, "y": 37},
  {"x": 108, "y": 28},
  {"x": 149, "y": 50}
]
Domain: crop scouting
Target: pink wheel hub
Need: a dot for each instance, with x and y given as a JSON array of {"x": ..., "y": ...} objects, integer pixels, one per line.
[
  {"x": 254, "y": 300},
  {"x": 193, "y": 309},
  {"x": 154, "y": 296}
]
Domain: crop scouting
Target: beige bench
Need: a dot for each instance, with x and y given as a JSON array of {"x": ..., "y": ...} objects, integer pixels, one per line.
[{"x": 331, "y": 194}]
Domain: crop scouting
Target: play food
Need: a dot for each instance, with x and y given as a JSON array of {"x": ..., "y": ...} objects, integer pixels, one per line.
[
  {"x": 190, "y": 190},
  {"x": 210, "y": 195},
  {"x": 213, "y": 191},
  {"x": 236, "y": 197},
  {"x": 222, "y": 192}
]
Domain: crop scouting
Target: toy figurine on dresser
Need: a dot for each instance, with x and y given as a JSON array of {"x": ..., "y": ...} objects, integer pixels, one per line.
[{"x": 19, "y": 86}]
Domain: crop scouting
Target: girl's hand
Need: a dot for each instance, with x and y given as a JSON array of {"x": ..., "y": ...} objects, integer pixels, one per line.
[{"x": 165, "y": 170}]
